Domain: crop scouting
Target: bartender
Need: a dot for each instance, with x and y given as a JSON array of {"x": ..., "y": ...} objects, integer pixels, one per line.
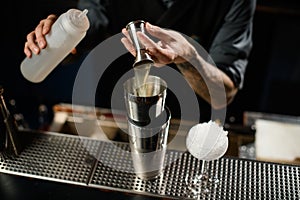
[{"x": 222, "y": 28}]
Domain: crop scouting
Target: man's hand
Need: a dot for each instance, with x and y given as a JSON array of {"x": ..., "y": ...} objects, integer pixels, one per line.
[
  {"x": 36, "y": 39},
  {"x": 171, "y": 47}
]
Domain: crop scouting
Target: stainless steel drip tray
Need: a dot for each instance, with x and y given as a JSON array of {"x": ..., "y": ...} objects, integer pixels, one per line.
[
  {"x": 53, "y": 156},
  {"x": 108, "y": 165}
]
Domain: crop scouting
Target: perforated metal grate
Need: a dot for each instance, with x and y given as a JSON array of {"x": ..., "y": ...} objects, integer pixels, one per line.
[
  {"x": 70, "y": 159},
  {"x": 238, "y": 179},
  {"x": 54, "y": 157}
]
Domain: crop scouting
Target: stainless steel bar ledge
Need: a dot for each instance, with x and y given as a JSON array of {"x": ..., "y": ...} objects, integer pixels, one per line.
[{"x": 61, "y": 166}]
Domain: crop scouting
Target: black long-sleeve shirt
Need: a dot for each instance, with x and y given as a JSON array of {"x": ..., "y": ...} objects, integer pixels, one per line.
[{"x": 222, "y": 27}]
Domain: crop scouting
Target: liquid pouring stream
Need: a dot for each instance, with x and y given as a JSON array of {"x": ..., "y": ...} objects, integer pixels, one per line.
[{"x": 141, "y": 73}]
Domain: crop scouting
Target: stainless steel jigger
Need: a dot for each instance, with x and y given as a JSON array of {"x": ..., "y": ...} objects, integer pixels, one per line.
[{"x": 142, "y": 57}]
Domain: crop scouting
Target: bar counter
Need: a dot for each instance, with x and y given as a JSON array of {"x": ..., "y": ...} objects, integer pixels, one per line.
[{"x": 56, "y": 165}]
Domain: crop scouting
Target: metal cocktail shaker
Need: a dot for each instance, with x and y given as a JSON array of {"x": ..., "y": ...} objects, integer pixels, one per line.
[
  {"x": 141, "y": 109},
  {"x": 148, "y": 126},
  {"x": 148, "y": 146}
]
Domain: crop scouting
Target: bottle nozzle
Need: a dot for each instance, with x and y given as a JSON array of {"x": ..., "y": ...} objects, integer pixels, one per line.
[
  {"x": 83, "y": 13},
  {"x": 79, "y": 18}
]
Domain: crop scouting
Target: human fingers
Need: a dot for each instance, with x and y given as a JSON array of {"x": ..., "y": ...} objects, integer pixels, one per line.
[
  {"x": 42, "y": 29},
  {"x": 128, "y": 45},
  {"x": 74, "y": 51},
  {"x": 159, "y": 55},
  {"x": 30, "y": 45},
  {"x": 178, "y": 48},
  {"x": 126, "y": 34},
  {"x": 27, "y": 51},
  {"x": 127, "y": 42},
  {"x": 157, "y": 32},
  {"x": 48, "y": 23}
]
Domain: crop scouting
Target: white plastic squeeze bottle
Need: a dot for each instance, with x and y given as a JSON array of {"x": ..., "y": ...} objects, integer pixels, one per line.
[{"x": 67, "y": 31}]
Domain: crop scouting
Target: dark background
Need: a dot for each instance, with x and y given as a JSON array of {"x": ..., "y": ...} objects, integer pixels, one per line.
[{"x": 272, "y": 81}]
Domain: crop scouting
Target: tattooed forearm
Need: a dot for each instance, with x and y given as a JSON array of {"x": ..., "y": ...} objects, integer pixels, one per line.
[
  {"x": 194, "y": 79},
  {"x": 208, "y": 82}
]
